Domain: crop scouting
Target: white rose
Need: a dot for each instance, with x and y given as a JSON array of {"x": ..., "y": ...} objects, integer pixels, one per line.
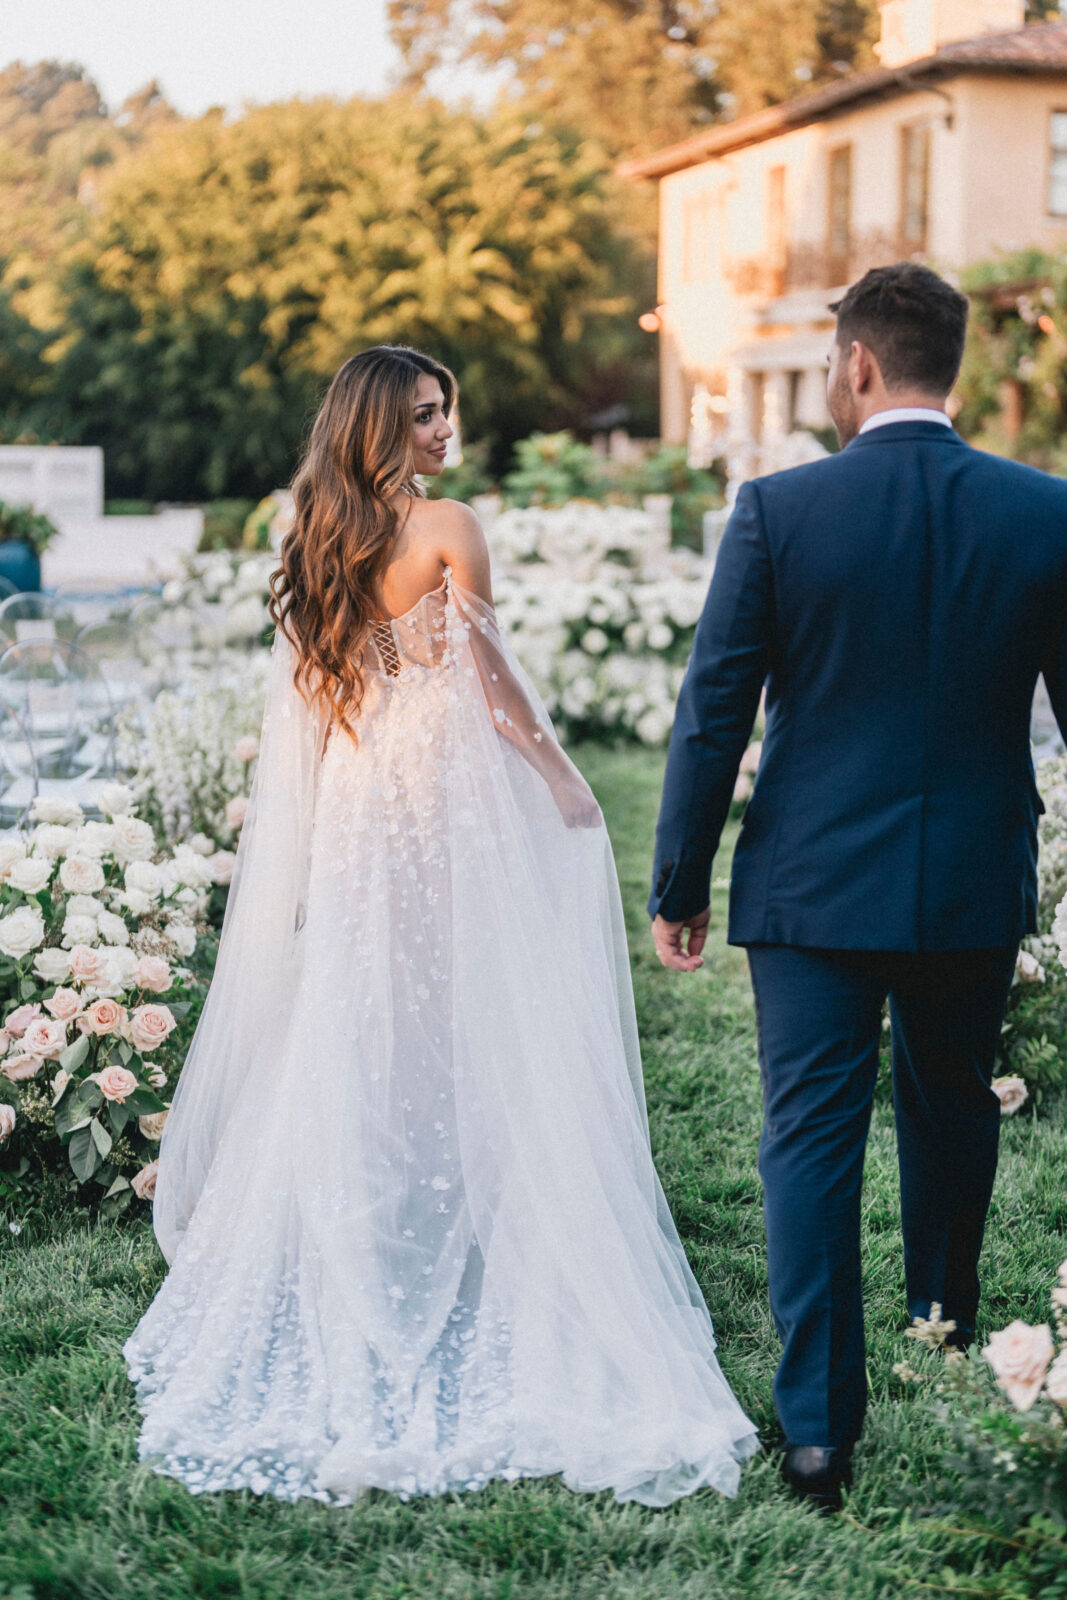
[
  {"x": 191, "y": 868},
  {"x": 8, "y": 1119},
  {"x": 113, "y": 929},
  {"x": 134, "y": 839},
  {"x": 52, "y": 965},
  {"x": 51, "y": 839},
  {"x": 84, "y": 905},
  {"x": 183, "y": 936},
  {"x": 119, "y": 972},
  {"x": 114, "y": 799},
  {"x": 1028, "y": 968},
  {"x": 144, "y": 878},
  {"x": 136, "y": 903},
  {"x": 21, "y": 931},
  {"x": 53, "y": 808},
  {"x": 202, "y": 844},
  {"x": 79, "y": 930},
  {"x": 81, "y": 874},
  {"x": 660, "y": 636},
  {"x": 12, "y": 849},
  {"x": 94, "y": 838},
  {"x": 1059, "y": 930},
  {"x": 31, "y": 874}
]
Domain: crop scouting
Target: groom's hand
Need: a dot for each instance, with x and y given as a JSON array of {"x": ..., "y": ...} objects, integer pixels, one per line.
[{"x": 672, "y": 948}]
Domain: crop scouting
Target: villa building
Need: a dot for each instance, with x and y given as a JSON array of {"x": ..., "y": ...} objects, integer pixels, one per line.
[{"x": 954, "y": 148}]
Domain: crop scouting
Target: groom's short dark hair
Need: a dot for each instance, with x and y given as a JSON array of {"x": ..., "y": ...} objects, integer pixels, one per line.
[{"x": 914, "y": 322}]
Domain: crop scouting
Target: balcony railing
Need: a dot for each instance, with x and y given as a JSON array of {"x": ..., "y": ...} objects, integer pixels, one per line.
[{"x": 814, "y": 266}]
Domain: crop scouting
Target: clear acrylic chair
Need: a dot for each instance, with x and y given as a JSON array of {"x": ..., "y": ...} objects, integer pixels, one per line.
[
  {"x": 59, "y": 694},
  {"x": 18, "y": 769},
  {"x": 33, "y": 615}
]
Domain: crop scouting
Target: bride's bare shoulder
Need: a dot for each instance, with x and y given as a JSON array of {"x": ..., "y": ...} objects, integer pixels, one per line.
[{"x": 458, "y": 540}]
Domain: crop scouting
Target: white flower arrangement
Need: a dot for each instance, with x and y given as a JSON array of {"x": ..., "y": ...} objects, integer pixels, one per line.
[
  {"x": 95, "y": 926},
  {"x": 192, "y": 756}
]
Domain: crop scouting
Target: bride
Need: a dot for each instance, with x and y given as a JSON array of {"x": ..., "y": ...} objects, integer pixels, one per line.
[{"x": 416, "y": 1239}]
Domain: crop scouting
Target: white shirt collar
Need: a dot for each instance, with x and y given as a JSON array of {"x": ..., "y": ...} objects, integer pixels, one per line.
[{"x": 905, "y": 414}]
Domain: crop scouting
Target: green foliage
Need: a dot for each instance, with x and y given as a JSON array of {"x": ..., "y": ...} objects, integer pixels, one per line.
[
  {"x": 552, "y": 468},
  {"x": 1006, "y": 1466},
  {"x": 225, "y": 522},
  {"x": 19, "y": 522},
  {"x": 129, "y": 508},
  {"x": 692, "y": 491},
  {"x": 469, "y": 477},
  {"x": 1015, "y": 357},
  {"x": 255, "y": 533},
  {"x": 229, "y": 268}
]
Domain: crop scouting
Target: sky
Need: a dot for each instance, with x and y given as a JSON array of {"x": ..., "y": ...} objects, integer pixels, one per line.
[{"x": 208, "y": 52}]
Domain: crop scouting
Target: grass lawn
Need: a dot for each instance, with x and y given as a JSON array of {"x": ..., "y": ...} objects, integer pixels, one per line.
[{"x": 83, "y": 1520}]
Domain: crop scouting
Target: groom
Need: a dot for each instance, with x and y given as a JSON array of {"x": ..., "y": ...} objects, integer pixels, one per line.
[{"x": 898, "y": 600}]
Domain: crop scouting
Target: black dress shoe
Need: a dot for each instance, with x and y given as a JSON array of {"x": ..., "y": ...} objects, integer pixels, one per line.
[
  {"x": 817, "y": 1475},
  {"x": 960, "y": 1338}
]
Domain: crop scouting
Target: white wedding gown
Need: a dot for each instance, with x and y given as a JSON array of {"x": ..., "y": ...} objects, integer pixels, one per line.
[{"x": 416, "y": 1238}]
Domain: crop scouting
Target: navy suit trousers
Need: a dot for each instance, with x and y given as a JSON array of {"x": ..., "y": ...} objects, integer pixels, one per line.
[{"x": 819, "y": 1015}]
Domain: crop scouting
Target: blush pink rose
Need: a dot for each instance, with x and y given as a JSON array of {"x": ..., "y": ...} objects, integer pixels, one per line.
[
  {"x": 247, "y": 748},
  {"x": 1056, "y": 1382},
  {"x": 152, "y": 972},
  {"x": 8, "y": 1119},
  {"x": 64, "y": 1004},
  {"x": 88, "y": 964},
  {"x": 17, "y": 1021},
  {"x": 18, "y": 1068},
  {"x": 1020, "y": 1357},
  {"x": 45, "y": 1037},
  {"x": 143, "y": 1183},
  {"x": 237, "y": 810},
  {"x": 222, "y": 864},
  {"x": 104, "y": 1016},
  {"x": 150, "y": 1025},
  {"x": 115, "y": 1082}
]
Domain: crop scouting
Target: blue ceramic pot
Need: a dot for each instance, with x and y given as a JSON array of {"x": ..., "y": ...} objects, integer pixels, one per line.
[{"x": 19, "y": 565}]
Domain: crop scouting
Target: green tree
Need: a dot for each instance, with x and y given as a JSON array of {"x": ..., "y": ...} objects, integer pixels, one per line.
[
  {"x": 639, "y": 73},
  {"x": 229, "y": 268}
]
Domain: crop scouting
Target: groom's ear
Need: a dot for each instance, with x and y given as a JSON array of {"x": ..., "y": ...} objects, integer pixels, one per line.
[{"x": 864, "y": 367}]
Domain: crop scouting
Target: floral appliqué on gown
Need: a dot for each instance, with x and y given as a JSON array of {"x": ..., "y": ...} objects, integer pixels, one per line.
[{"x": 415, "y": 1234}]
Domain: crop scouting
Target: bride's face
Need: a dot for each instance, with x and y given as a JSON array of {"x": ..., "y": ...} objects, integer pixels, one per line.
[{"x": 431, "y": 431}]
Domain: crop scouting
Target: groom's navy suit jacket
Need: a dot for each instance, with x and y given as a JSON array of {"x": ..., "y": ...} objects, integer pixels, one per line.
[{"x": 899, "y": 600}]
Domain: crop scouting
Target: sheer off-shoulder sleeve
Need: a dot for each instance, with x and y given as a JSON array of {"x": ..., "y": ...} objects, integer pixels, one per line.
[{"x": 517, "y": 711}]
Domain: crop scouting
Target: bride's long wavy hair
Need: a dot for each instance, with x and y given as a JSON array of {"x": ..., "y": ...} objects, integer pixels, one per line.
[{"x": 359, "y": 455}]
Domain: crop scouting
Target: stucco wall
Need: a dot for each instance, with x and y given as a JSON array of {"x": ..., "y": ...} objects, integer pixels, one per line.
[{"x": 987, "y": 191}]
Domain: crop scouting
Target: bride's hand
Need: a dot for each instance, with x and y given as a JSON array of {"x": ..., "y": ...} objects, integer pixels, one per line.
[{"x": 578, "y": 807}]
